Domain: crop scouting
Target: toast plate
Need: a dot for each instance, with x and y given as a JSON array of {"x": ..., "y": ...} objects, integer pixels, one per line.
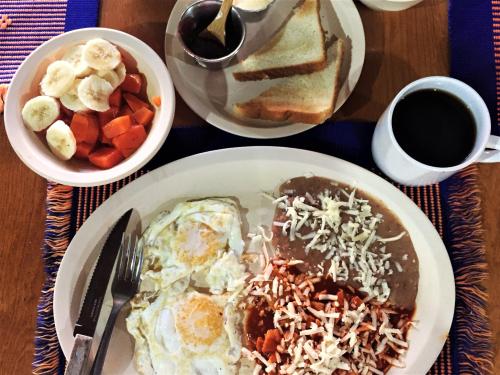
[
  {"x": 211, "y": 94},
  {"x": 244, "y": 173}
]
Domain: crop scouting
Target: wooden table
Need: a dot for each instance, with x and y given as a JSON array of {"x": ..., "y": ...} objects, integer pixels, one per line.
[{"x": 401, "y": 47}]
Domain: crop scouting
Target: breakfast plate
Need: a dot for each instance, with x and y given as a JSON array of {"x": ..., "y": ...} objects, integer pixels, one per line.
[
  {"x": 212, "y": 94},
  {"x": 244, "y": 173}
]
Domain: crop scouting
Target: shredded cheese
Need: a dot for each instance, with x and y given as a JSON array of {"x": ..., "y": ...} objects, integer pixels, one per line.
[
  {"x": 320, "y": 335},
  {"x": 343, "y": 227}
]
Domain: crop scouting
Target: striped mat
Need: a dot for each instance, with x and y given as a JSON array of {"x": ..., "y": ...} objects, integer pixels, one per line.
[
  {"x": 33, "y": 22},
  {"x": 29, "y": 23},
  {"x": 453, "y": 206}
]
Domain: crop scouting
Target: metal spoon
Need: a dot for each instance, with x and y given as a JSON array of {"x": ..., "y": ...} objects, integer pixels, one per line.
[{"x": 217, "y": 29}]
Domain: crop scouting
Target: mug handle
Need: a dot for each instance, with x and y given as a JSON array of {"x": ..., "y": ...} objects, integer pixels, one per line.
[{"x": 492, "y": 155}]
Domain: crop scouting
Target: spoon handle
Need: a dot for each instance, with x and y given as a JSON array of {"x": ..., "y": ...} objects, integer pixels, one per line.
[{"x": 225, "y": 8}]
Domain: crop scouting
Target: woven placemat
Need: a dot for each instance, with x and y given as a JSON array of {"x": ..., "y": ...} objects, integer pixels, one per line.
[{"x": 452, "y": 206}]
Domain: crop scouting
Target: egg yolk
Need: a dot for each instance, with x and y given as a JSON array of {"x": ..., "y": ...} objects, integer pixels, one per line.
[
  {"x": 196, "y": 243},
  {"x": 199, "y": 321}
]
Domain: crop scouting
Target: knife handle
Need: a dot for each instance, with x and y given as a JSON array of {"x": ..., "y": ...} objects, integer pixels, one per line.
[{"x": 77, "y": 364}]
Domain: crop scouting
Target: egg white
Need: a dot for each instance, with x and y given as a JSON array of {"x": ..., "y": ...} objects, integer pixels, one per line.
[
  {"x": 191, "y": 278},
  {"x": 188, "y": 240},
  {"x": 164, "y": 347}
]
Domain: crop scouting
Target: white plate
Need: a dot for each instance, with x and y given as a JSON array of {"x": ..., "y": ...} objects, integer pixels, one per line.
[
  {"x": 244, "y": 173},
  {"x": 211, "y": 94}
]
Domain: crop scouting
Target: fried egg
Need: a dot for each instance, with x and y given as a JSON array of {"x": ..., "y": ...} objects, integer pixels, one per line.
[
  {"x": 187, "y": 241},
  {"x": 193, "y": 333},
  {"x": 184, "y": 319}
]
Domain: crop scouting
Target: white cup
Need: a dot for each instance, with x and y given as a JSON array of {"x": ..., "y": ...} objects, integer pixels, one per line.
[
  {"x": 391, "y": 5},
  {"x": 402, "y": 168}
]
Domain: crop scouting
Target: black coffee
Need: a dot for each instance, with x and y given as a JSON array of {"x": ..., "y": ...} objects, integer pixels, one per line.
[{"x": 434, "y": 127}]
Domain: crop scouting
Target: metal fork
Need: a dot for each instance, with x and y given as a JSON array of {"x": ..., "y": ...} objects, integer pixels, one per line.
[{"x": 124, "y": 287}]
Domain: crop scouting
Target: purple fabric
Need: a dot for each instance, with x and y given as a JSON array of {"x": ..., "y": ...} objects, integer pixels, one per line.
[{"x": 471, "y": 50}]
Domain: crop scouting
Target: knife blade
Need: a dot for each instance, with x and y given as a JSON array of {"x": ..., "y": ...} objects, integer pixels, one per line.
[
  {"x": 91, "y": 308},
  {"x": 94, "y": 297}
]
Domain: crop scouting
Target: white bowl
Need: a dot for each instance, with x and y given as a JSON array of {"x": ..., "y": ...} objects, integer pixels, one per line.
[
  {"x": 33, "y": 150},
  {"x": 391, "y": 5}
]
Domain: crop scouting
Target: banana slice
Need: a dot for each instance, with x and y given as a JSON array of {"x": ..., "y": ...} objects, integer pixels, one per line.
[
  {"x": 101, "y": 54},
  {"x": 94, "y": 92},
  {"x": 58, "y": 79},
  {"x": 121, "y": 71},
  {"x": 71, "y": 100},
  {"x": 111, "y": 76},
  {"x": 41, "y": 111},
  {"x": 61, "y": 140},
  {"x": 74, "y": 57}
]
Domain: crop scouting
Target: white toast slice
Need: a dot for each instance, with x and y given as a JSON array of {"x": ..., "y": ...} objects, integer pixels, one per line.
[
  {"x": 306, "y": 98},
  {"x": 297, "y": 48}
]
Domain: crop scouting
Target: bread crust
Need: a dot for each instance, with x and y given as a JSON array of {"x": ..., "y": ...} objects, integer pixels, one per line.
[
  {"x": 280, "y": 72},
  {"x": 338, "y": 67},
  {"x": 258, "y": 110},
  {"x": 259, "y": 107},
  {"x": 290, "y": 70}
]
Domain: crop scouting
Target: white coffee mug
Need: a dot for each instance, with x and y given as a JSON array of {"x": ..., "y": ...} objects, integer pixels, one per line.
[
  {"x": 391, "y": 5},
  {"x": 402, "y": 168}
]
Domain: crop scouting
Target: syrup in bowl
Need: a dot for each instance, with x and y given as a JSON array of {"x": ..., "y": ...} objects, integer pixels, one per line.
[{"x": 196, "y": 19}]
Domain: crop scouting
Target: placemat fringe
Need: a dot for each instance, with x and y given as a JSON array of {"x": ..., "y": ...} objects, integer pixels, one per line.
[
  {"x": 466, "y": 237},
  {"x": 456, "y": 214},
  {"x": 57, "y": 224}
]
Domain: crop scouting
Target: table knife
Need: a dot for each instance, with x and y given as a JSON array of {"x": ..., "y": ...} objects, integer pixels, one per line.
[{"x": 91, "y": 308}]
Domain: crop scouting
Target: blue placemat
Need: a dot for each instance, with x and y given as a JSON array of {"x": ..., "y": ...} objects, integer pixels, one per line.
[
  {"x": 453, "y": 207},
  {"x": 472, "y": 25},
  {"x": 32, "y": 22},
  {"x": 35, "y": 21}
]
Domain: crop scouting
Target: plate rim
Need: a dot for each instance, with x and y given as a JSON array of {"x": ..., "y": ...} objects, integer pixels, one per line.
[
  {"x": 199, "y": 106},
  {"x": 274, "y": 153}
]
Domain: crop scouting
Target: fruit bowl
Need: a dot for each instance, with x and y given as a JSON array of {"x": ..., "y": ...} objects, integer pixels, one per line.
[{"x": 35, "y": 153}]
